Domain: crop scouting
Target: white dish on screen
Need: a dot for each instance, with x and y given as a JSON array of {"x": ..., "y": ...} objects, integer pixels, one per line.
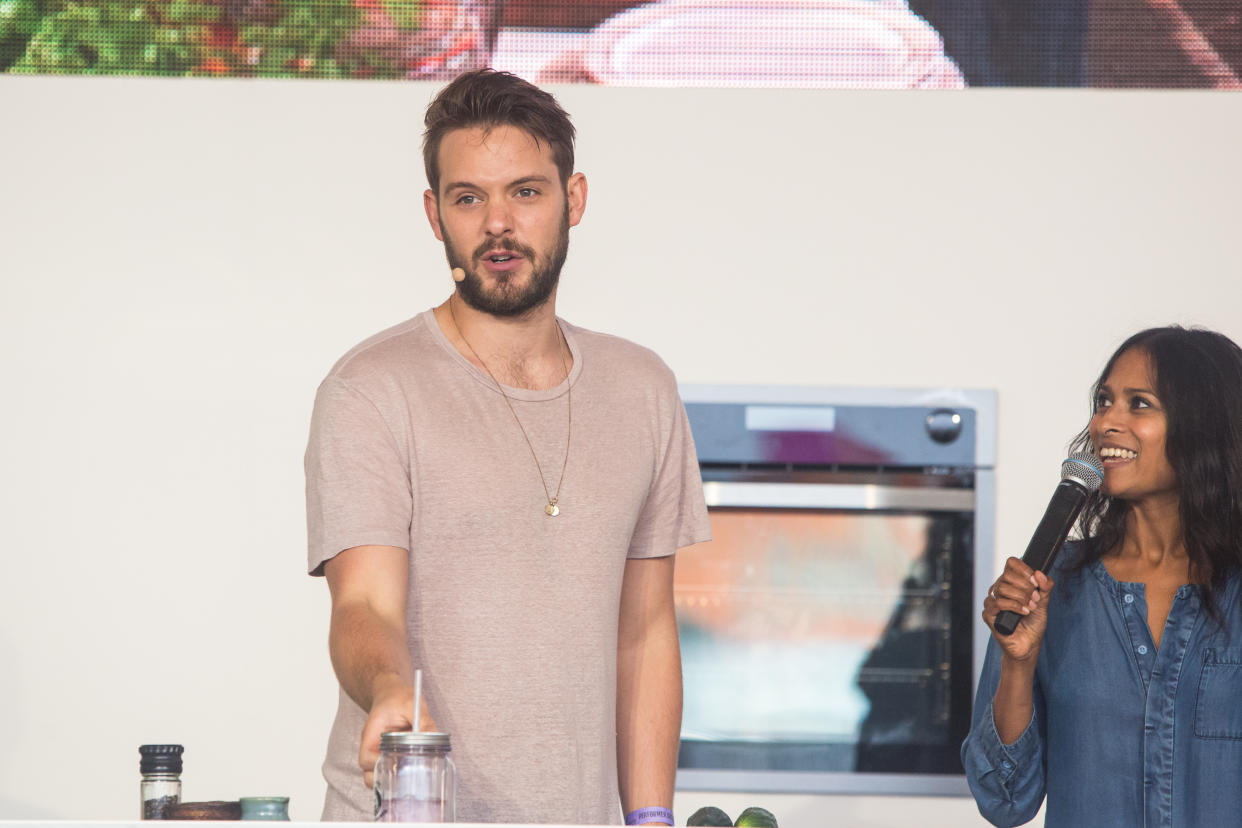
[{"x": 831, "y": 44}]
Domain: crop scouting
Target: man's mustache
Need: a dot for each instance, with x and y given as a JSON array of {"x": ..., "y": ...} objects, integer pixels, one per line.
[{"x": 510, "y": 246}]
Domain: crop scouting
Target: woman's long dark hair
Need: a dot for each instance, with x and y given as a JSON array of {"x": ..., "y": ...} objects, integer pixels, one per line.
[{"x": 1198, "y": 376}]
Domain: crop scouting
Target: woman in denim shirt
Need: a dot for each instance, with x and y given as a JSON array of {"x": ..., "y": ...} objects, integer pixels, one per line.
[{"x": 1120, "y": 693}]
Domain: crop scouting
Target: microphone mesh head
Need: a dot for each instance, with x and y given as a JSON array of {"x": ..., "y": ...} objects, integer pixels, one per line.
[{"x": 1083, "y": 467}]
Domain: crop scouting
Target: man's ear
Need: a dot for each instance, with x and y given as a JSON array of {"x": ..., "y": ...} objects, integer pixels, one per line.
[
  {"x": 576, "y": 196},
  {"x": 432, "y": 205}
]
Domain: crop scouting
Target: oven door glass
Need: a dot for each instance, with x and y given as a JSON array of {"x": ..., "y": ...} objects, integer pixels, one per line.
[{"x": 827, "y": 640}]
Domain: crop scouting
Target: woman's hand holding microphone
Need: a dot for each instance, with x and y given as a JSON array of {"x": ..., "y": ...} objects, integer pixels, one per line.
[{"x": 1025, "y": 591}]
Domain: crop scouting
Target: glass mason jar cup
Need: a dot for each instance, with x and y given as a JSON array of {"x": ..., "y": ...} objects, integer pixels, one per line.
[{"x": 415, "y": 780}]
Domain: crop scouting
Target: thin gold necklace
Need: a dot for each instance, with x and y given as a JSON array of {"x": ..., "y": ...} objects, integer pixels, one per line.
[{"x": 552, "y": 509}]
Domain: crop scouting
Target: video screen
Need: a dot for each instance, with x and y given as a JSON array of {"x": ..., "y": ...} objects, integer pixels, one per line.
[{"x": 804, "y": 44}]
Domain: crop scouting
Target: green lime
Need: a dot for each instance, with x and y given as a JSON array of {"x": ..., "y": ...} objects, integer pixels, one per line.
[
  {"x": 754, "y": 817},
  {"x": 709, "y": 816}
]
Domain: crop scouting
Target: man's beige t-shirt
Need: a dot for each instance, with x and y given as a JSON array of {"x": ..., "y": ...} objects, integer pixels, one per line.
[{"x": 512, "y": 614}]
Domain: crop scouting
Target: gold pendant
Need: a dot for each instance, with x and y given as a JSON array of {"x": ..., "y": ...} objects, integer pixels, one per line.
[{"x": 552, "y": 509}]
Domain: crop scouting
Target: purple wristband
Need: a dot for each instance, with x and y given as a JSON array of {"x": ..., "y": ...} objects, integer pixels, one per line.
[{"x": 642, "y": 815}]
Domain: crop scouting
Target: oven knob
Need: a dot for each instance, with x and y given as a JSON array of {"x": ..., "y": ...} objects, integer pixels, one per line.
[{"x": 944, "y": 425}]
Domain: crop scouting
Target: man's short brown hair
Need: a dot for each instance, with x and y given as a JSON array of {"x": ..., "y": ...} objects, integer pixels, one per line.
[{"x": 487, "y": 98}]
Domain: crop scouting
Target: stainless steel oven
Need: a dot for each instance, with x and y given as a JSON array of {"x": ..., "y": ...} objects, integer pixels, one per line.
[{"x": 828, "y": 631}]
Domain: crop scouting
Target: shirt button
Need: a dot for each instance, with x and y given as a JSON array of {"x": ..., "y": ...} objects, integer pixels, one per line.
[
  {"x": 1142, "y": 648},
  {"x": 1007, "y": 765},
  {"x": 1129, "y": 598}
]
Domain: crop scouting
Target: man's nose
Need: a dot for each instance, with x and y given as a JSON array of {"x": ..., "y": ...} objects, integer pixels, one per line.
[{"x": 499, "y": 218}]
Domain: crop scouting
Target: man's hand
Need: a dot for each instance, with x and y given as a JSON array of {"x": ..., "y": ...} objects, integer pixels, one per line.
[{"x": 392, "y": 707}]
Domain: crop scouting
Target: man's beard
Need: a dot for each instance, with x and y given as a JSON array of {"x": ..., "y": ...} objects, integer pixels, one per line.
[{"x": 506, "y": 298}]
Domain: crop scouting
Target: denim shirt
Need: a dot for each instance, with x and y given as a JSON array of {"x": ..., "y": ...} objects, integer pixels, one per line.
[{"x": 1123, "y": 733}]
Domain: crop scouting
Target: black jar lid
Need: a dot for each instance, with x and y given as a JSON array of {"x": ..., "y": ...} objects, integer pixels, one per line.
[{"x": 160, "y": 758}]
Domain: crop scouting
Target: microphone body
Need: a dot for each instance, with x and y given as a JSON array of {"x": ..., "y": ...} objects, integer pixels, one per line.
[{"x": 1081, "y": 474}]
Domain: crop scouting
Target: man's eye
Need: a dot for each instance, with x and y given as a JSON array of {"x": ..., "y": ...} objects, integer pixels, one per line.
[
  {"x": 467, "y": 199},
  {"x": 527, "y": 192}
]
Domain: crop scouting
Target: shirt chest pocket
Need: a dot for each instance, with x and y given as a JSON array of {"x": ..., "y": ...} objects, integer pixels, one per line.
[{"x": 1218, "y": 708}]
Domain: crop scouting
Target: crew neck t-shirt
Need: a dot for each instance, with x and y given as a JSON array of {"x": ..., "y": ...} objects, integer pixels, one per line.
[{"x": 511, "y": 614}]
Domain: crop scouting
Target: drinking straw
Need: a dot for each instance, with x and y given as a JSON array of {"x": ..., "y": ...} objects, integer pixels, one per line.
[{"x": 418, "y": 693}]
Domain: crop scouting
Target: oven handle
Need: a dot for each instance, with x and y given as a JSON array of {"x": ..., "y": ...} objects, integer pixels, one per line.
[{"x": 838, "y": 496}]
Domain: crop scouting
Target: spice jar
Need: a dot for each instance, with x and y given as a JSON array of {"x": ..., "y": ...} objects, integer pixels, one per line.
[
  {"x": 161, "y": 779},
  {"x": 415, "y": 780}
]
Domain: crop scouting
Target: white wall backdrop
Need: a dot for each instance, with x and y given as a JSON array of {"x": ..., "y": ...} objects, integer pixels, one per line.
[{"x": 181, "y": 262}]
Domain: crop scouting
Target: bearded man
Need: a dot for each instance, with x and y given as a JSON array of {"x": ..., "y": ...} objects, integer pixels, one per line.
[{"x": 495, "y": 498}]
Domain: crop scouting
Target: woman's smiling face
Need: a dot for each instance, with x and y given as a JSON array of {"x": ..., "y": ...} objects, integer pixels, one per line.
[{"x": 1128, "y": 431}]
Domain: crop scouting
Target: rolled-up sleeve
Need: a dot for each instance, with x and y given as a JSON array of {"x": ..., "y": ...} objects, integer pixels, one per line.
[{"x": 1007, "y": 780}]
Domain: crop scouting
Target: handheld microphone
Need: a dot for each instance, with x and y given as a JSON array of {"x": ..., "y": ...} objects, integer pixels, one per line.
[{"x": 1081, "y": 474}]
